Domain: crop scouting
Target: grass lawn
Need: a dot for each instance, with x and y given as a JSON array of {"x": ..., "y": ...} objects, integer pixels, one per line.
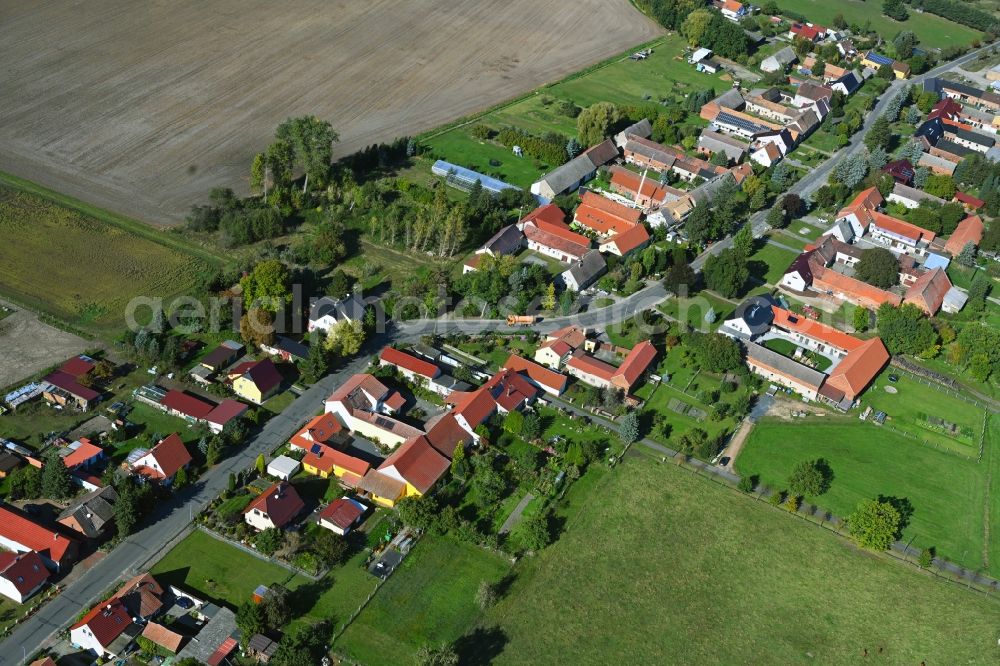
[
  {"x": 277, "y": 404},
  {"x": 430, "y": 599},
  {"x": 496, "y": 354},
  {"x": 218, "y": 570},
  {"x": 932, "y": 31},
  {"x": 122, "y": 262},
  {"x": 654, "y": 561},
  {"x": 914, "y": 402},
  {"x": 947, "y": 492},
  {"x": 822, "y": 139},
  {"x": 620, "y": 80},
  {"x": 693, "y": 310},
  {"x": 770, "y": 262}
]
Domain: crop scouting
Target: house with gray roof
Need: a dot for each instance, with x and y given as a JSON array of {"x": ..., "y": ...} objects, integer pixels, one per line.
[
  {"x": 91, "y": 514},
  {"x": 326, "y": 312},
  {"x": 576, "y": 172},
  {"x": 641, "y": 129},
  {"x": 716, "y": 142},
  {"x": 731, "y": 99},
  {"x": 585, "y": 272},
  {"x": 779, "y": 60}
]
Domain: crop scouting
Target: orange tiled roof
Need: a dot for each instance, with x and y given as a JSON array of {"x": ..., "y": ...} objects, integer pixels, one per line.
[
  {"x": 857, "y": 370},
  {"x": 537, "y": 373},
  {"x": 811, "y": 328},
  {"x": 928, "y": 291},
  {"x": 969, "y": 230}
]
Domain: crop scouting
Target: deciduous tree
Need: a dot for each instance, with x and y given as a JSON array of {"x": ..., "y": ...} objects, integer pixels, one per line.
[{"x": 875, "y": 524}]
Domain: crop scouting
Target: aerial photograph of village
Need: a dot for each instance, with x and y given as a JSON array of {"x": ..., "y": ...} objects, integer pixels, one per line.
[{"x": 468, "y": 332}]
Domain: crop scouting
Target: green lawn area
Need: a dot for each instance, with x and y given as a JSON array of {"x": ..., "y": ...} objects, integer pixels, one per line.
[
  {"x": 430, "y": 599},
  {"x": 933, "y": 31},
  {"x": 202, "y": 563},
  {"x": 823, "y": 139},
  {"x": 791, "y": 239},
  {"x": 620, "y": 80},
  {"x": 693, "y": 310},
  {"x": 914, "y": 402},
  {"x": 658, "y": 400},
  {"x": 947, "y": 492},
  {"x": 654, "y": 561},
  {"x": 496, "y": 354},
  {"x": 770, "y": 262},
  {"x": 277, "y": 404}
]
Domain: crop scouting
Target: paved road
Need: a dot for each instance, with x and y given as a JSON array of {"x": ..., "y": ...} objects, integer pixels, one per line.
[
  {"x": 168, "y": 521},
  {"x": 173, "y": 516}
]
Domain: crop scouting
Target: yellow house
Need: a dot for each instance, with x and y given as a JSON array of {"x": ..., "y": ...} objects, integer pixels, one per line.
[
  {"x": 876, "y": 61},
  {"x": 410, "y": 471},
  {"x": 324, "y": 461},
  {"x": 255, "y": 381}
]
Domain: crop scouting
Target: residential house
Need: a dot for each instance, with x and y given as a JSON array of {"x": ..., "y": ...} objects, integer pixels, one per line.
[
  {"x": 928, "y": 292},
  {"x": 221, "y": 356},
  {"x": 733, "y": 10},
  {"x": 626, "y": 243},
  {"x": 20, "y": 533},
  {"x": 107, "y": 630},
  {"x": 646, "y": 192},
  {"x": 163, "y": 461},
  {"x": 508, "y": 240},
  {"x": 847, "y": 49},
  {"x": 325, "y": 461},
  {"x": 929, "y": 132},
  {"x": 142, "y": 596},
  {"x": 779, "y": 60},
  {"x": 326, "y": 312},
  {"x": 876, "y": 61},
  {"x": 899, "y": 235},
  {"x": 809, "y": 31},
  {"x": 341, "y": 515},
  {"x": 808, "y": 94},
  {"x": 364, "y": 405},
  {"x": 276, "y": 507},
  {"x": 911, "y": 197},
  {"x": 81, "y": 455},
  {"x": 65, "y": 387},
  {"x": 255, "y": 381},
  {"x": 21, "y": 575},
  {"x": 901, "y": 171},
  {"x": 193, "y": 408},
  {"x": 604, "y": 216},
  {"x": 737, "y": 122},
  {"x": 950, "y": 150},
  {"x": 969, "y": 230},
  {"x": 766, "y": 154},
  {"x": 544, "y": 378},
  {"x": 767, "y": 104},
  {"x": 287, "y": 349},
  {"x": 576, "y": 172},
  {"x": 558, "y": 345},
  {"x": 710, "y": 142},
  {"x": 322, "y": 429},
  {"x": 585, "y": 272},
  {"x": 649, "y": 154},
  {"x": 547, "y": 234},
  {"x": 643, "y": 129},
  {"x": 969, "y": 139},
  {"x": 847, "y": 84},
  {"x": 413, "y": 368},
  {"x": 91, "y": 515},
  {"x": 593, "y": 371}
]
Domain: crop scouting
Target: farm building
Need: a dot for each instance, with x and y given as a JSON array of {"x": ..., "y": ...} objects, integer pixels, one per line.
[{"x": 576, "y": 172}]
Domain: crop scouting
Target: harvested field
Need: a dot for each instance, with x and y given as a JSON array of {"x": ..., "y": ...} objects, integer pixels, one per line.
[
  {"x": 30, "y": 346},
  {"x": 142, "y": 108}
]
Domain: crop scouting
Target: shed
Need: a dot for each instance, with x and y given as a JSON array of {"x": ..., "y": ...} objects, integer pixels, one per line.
[{"x": 283, "y": 467}]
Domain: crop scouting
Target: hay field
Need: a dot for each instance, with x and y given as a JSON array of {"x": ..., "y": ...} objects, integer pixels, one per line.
[
  {"x": 80, "y": 269},
  {"x": 143, "y": 107}
]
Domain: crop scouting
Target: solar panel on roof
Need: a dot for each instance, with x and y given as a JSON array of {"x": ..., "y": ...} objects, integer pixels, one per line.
[
  {"x": 742, "y": 123},
  {"x": 879, "y": 58},
  {"x": 315, "y": 449}
]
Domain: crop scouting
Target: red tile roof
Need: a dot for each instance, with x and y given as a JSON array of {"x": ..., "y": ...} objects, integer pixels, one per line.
[
  {"x": 141, "y": 595},
  {"x": 327, "y": 457},
  {"x": 946, "y": 108},
  {"x": 902, "y": 227},
  {"x": 811, "y": 328},
  {"x": 321, "y": 429},
  {"x": 603, "y": 214},
  {"x": 68, "y": 383},
  {"x": 445, "y": 435},
  {"x": 556, "y": 236},
  {"x": 632, "y": 239},
  {"x": 928, "y": 291},
  {"x": 828, "y": 279},
  {"x": 106, "y": 621},
  {"x": 803, "y": 30},
  {"x": 409, "y": 362},
  {"x": 629, "y": 181},
  {"x": 226, "y": 411},
  {"x": 19, "y": 528},
  {"x": 84, "y": 453},
  {"x": 635, "y": 364},
  {"x": 280, "y": 503},
  {"x": 264, "y": 374},
  {"x": 222, "y": 652},
  {"x": 341, "y": 512},
  {"x": 25, "y": 571},
  {"x": 187, "y": 404},
  {"x": 417, "y": 462},
  {"x": 547, "y": 213},
  {"x": 77, "y": 366},
  {"x": 857, "y": 370},
  {"x": 163, "y": 636},
  {"x": 574, "y": 336},
  {"x": 537, "y": 373},
  {"x": 592, "y": 366},
  {"x": 969, "y": 200},
  {"x": 170, "y": 454},
  {"x": 365, "y": 382},
  {"x": 969, "y": 230},
  {"x": 510, "y": 390},
  {"x": 475, "y": 406},
  {"x": 47, "y": 661}
]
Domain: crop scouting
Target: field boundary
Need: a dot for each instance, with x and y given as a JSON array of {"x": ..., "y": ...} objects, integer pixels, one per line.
[{"x": 165, "y": 238}]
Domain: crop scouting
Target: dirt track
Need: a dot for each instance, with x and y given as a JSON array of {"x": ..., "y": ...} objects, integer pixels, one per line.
[
  {"x": 142, "y": 107},
  {"x": 28, "y": 345}
]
